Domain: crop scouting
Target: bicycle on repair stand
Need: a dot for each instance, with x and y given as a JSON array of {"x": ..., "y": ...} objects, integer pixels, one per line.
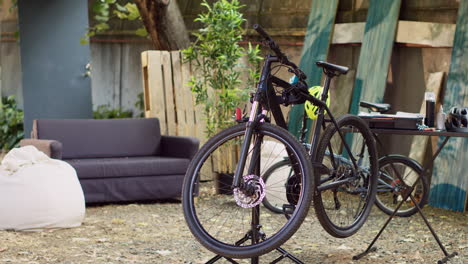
[{"x": 230, "y": 219}]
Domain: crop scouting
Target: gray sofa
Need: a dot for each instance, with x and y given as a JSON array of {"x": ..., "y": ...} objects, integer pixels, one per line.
[{"x": 117, "y": 159}]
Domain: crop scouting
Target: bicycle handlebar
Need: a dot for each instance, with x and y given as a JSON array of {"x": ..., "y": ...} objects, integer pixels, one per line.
[
  {"x": 283, "y": 58},
  {"x": 262, "y": 32}
]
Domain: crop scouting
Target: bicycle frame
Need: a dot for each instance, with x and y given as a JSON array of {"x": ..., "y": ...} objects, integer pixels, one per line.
[{"x": 264, "y": 101}]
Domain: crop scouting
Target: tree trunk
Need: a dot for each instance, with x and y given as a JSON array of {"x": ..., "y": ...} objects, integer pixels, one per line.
[{"x": 164, "y": 23}]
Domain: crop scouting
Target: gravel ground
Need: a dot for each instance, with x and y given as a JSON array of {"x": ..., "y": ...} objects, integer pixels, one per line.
[{"x": 157, "y": 233}]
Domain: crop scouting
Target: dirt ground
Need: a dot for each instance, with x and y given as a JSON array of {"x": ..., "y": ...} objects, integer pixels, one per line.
[{"x": 157, "y": 233}]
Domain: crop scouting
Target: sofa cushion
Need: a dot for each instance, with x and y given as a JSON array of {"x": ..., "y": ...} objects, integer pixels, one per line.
[
  {"x": 103, "y": 138},
  {"x": 129, "y": 166}
]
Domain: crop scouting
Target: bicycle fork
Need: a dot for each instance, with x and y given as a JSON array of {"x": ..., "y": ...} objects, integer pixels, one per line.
[{"x": 254, "y": 119}]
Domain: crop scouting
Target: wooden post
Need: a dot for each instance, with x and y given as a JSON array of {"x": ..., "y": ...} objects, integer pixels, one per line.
[
  {"x": 317, "y": 40},
  {"x": 449, "y": 182},
  {"x": 376, "y": 51}
]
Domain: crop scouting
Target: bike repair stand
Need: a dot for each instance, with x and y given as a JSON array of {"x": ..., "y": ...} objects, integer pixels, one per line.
[
  {"x": 370, "y": 248},
  {"x": 254, "y": 235}
]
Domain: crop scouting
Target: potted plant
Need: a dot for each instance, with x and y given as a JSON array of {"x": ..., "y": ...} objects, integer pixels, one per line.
[{"x": 216, "y": 57}]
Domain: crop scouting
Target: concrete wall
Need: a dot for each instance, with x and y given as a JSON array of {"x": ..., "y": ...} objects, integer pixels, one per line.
[{"x": 53, "y": 61}]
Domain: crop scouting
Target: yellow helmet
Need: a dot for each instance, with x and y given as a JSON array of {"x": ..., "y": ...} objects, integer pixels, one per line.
[{"x": 312, "y": 110}]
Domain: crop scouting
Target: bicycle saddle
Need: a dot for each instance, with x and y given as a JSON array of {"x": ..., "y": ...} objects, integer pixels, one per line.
[
  {"x": 381, "y": 108},
  {"x": 335, "y": 69}
]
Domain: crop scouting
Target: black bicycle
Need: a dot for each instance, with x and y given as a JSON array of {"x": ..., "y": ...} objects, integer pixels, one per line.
[
  {"x": 227, "y": 216},
  {"x": 397, "y": 174}
]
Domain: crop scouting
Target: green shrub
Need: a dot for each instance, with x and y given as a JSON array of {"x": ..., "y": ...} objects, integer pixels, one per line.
[
  {"x": 106, "y": 112},
  {"x": 215, "y": 57},
  {"x": 140, "y": 105},
  {"x": 11, "y": 123}
]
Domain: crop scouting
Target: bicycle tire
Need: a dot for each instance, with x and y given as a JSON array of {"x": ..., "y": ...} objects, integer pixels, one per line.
[
  {"x": 267, "y": 201},
  {"x": 388, "y": 166},
  {"x": 363, "y": 185},
  {"x": 226, "y": 242}
]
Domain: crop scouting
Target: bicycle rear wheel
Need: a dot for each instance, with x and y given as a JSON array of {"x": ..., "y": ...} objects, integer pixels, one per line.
[
  {"x": 235, "y": 224},
  {"x": 390, "y": 189},
  {"x": 276, "y": 179},
  {"x": 345, "y": 190}
]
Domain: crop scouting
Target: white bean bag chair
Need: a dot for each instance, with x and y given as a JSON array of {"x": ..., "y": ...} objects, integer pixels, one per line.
[{"x": 37, "y": 192}]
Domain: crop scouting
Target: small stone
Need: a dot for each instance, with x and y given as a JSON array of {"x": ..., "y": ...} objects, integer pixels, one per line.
[{"x": 163, "y": 252}]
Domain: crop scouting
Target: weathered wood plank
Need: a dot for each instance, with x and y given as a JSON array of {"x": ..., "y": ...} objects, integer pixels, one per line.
[
  {"x": 341, "y": 94},
  {"x": 157, "y": 103},
  {"x": 419, "y": 144},
  {"x": 449, "y": 182},
  {"x": 424, "y": 33},
  {"x": 144, "y": 76},
  {"x": 345, "y": 33},
  {"x": 200, "y": 119},
  {"x": 168, "y": 92},
  {"x": 188, "y": 101},
  {"x": 130, "y": 76},
  {"x": 106, "y": 59},
  {"x": 376, "y": 50},
  {"x": 408, "y": 32},
  {"x": 179, "y": 94},
  {"x": 317, "y": 41}
]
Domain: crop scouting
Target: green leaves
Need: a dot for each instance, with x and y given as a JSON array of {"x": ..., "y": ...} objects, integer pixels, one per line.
[
  {"x": 141, "y": 32},
  {"x": 215, "y": 57},
  {"x": 106, "y": 112},
  {"x": 11, "y": 123},
  {"x": 129, "y": 11},
  {"x": 105, "y": 10}
]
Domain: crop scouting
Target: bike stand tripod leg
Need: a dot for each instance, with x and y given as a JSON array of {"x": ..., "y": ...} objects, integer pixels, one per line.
[
  {"x": 238, "y": 243},
  {"x": 284, "y": 254},
  {"x": 370, "y": 248},
  {"x": 255, "y": 236}
]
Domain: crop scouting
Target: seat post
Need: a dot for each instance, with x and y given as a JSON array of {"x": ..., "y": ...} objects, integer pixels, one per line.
[{"x": 326, "y": 86}]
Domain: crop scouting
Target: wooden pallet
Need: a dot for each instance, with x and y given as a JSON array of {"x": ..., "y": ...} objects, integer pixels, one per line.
[{"x": 167, "y": 95}]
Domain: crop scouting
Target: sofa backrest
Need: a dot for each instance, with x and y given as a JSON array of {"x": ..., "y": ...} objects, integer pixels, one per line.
[{"x": 102, "y": 138}]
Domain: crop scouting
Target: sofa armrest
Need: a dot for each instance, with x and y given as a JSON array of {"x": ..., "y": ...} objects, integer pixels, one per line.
[
  {"x": 179, "y": 147},
  {"x": 51, "y": 148}
]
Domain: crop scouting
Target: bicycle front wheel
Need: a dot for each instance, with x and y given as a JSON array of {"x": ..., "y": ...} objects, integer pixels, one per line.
[
  {"x": 391, "y": 190},
  {"x": 233, "y": 222},
  {"x": 346, "y": 178}
]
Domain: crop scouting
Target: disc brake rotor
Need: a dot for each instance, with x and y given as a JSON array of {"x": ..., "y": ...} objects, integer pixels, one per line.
[{"x": 245, "y": 200}]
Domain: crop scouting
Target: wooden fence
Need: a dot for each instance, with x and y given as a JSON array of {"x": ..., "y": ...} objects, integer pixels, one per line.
[{"x": 167, "y": 95}]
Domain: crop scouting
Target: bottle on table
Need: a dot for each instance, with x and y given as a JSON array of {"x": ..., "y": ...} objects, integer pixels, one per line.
[{"x": 430, "y": 109}]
